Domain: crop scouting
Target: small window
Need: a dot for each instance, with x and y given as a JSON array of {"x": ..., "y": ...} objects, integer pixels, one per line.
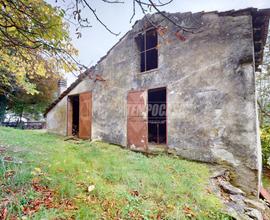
[{"x": 147, "y": 45}]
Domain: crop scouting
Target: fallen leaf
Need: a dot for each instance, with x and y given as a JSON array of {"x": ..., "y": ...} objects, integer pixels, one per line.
[
  {"x": 7, "y": 158},
  {"x": 3, "y": 214},
  {"x": 208, "y": 191},
  {"x": 2, "y": 150},
  {"x": 188, "y": 212},
  {"x": 37, "y": 169},
  {"x": 134, "y": 193},
  {"x": 9, "y": 173},
  {"x": 91, "y": 188}
]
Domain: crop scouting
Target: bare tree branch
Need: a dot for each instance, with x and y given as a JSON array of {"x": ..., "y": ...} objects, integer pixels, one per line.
[
  {"x": 117, "y": 2},
  {"x": 262, "y": 110},
  {"x": 98, "y": 19}
]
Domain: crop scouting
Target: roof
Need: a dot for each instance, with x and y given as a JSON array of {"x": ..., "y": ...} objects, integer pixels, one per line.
[{"x": 260, "y": 20}]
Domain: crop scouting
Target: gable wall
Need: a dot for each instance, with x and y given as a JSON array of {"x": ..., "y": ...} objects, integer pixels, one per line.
[
  {"x": 56, "y": 118},
  {"x": 210, "y": 91}
]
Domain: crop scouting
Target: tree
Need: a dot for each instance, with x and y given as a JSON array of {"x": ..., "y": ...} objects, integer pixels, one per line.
[
  {"x": 24, "y": 104},
  {"x": 3, "y": 105},
  {"x": 34, "y": 43},
  {"x": 33, "y": 40}
]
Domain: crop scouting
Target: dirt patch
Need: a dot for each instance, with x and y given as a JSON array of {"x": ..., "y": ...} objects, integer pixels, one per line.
[
  {"x": 266, "y": 172},
  {"x": 266, "y": 179}
]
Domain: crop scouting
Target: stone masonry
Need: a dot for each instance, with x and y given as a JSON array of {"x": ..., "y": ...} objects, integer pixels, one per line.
[{"x": 211, "y": 100}]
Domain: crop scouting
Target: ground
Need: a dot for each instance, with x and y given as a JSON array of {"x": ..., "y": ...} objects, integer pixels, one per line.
[
  {"x": 266, "y": 179},
  {"x": 44, "y": 176}
]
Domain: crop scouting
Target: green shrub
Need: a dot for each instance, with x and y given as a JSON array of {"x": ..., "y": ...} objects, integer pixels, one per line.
[{"x": 265, "y": 140}]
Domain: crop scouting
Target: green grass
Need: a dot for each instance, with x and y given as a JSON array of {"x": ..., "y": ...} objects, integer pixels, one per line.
[{"x": 128, "y": 185}]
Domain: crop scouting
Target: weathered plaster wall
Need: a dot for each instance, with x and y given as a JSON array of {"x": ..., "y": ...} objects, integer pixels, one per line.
[
  {"x": 210, "y": 93},
  {"x": 84, "y": 86},
  {"x": 57, "y": 117}
]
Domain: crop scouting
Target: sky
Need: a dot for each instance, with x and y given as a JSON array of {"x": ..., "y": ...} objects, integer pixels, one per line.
[{"x": 96, "y": 40}]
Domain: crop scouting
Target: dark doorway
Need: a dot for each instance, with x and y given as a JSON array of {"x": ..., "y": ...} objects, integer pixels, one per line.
[
  {"x": 75, "y": 114},
  {"x": 157, "y": 126},
  {"x": 79, "y": 115}
]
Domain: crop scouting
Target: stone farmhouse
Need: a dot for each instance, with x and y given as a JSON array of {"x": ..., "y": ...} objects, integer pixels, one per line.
[{"x": 188, "y": 91}]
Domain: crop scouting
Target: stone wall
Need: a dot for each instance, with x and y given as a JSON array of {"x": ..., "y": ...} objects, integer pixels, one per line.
[
  {"x": 56, "y": 118},
  {"x": 210, "y": 93}
]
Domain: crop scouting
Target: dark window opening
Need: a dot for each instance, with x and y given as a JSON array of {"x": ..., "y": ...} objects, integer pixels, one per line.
[
  {"x": 147, "y": 45},
  {"x": 75, "y": 114},
  {"x": 157, "y": 126}
]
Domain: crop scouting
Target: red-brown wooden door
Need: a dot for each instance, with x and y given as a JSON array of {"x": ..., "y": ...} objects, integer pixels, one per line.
[
  {"x": 85, "y": 121},
  {"x": 137, "y": 130}
]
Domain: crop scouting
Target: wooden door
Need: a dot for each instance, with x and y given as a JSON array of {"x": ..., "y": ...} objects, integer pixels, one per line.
[
  {"x": 137, "y": 130},
  {"x": 85, "y": 114},
  {"x": 69, "y": 117}
]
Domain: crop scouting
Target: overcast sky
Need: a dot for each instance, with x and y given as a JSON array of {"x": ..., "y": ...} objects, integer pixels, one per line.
[{"x": 96, "y": 41}]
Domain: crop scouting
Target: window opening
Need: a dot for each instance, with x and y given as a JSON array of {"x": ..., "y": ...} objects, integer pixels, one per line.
[{"x": 147, "y": 45}]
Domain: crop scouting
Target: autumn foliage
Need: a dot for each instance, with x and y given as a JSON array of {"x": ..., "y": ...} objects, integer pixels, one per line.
[{"x": 34, "y": 40}]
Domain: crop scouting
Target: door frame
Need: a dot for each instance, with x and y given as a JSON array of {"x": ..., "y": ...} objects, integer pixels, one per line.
[
  {"x": 68, "y": 100},
  {"x": 68, "y": 103},
  {"x": 166, "y": 100}
]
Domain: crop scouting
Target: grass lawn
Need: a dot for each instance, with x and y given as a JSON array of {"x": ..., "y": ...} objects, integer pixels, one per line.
[{"x": 44, "y": 177}]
